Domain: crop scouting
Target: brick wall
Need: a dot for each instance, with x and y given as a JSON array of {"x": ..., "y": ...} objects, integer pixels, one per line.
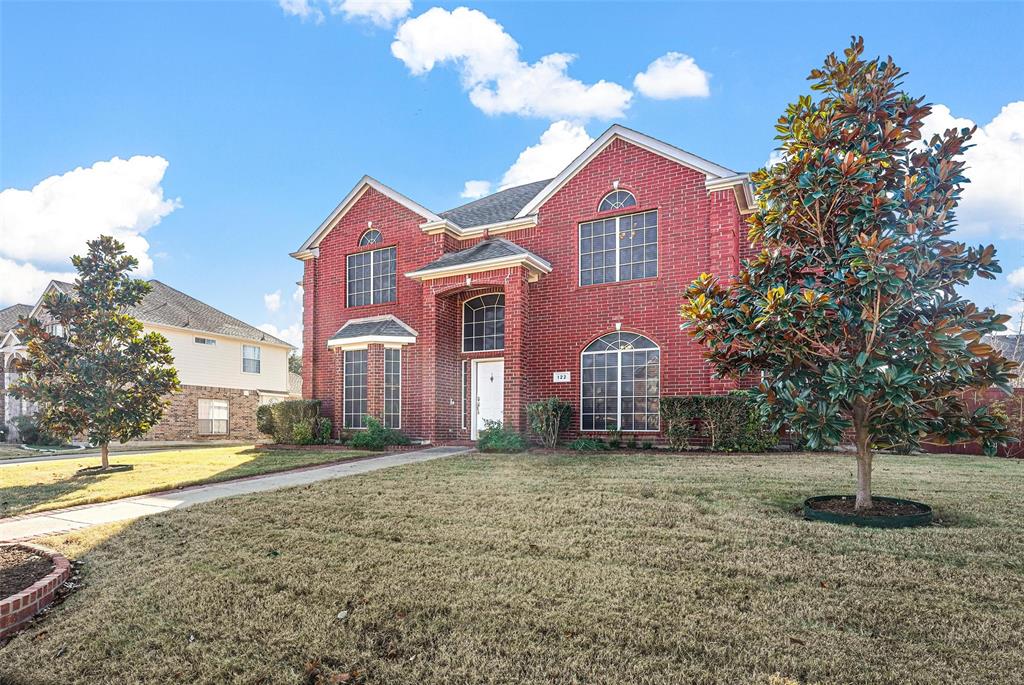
[
  {"x": 181, "y": 417},
  {"x": 698, "y": 231}
]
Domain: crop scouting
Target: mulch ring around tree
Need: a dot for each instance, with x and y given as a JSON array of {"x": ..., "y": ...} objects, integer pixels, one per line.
[
  {"x": 20, "y": 568},
  {"x": 885, "y": 512},
  {"x": 100, "y": 471}
]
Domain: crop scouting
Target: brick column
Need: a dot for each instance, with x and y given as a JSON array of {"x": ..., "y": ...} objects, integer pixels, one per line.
[
  {"x": 427, "y": 342},
  {"x": 375, "y": 381},
  {"x": 724, "y": 229},
  {"x": 337, "y": 411},
  {"x": 516, "y": 320}
]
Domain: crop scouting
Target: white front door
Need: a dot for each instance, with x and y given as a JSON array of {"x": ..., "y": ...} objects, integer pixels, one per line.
[{"x": 488, "y": 393}]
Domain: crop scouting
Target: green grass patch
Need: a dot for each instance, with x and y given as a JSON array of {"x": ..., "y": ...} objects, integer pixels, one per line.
[
  {"x": 43, "y": 485},
  {"x": 591, "y": 568}
]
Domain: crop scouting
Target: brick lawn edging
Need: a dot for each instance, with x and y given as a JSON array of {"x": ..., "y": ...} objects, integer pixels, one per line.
[{"x": 17, "y": 609}]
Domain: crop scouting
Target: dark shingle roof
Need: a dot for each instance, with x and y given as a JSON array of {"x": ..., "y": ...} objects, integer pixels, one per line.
[
  {"x": 169, "y": 307},
  {"x": 500, "y": 206},
  {"x": 9, "y": 316},
  {"x": 383, "y": 325},
  {"x": 1011, "y": 346},
  {"x": 492, "y": 248}
]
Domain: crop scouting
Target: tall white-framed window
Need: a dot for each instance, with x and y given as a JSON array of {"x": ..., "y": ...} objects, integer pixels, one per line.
[
  {"x": 354, "y": 398},
  {"x": 483, "y": 323},
  {"x": 392, "y": 387},
  {"x": 620, "y": 248},
  {"x": 370, "y": 277},
  {"x": 250, "y": 359},
  {"x": 213, "y": 417},
  {"x": 620, "y": 386}
]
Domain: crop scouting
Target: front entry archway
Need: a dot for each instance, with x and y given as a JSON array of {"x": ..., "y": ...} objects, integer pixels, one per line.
[{"x": 488, "y": 392}]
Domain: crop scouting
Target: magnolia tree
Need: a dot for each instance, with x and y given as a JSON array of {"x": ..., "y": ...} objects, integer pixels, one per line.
[
  {"x": 96, "y": 372},
  {"x": 851, "y": 309}
]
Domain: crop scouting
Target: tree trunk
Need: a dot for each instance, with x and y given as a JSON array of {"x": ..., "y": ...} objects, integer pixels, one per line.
[
  {"x": 863, "y": 460},
  {"x": 104, "y": 454}
]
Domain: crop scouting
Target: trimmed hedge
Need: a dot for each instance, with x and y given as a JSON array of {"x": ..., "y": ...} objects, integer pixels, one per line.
[
  {"x": 727, "y": 423},
  {"x": 294, "y": 422},
  {"x": 376, "y": 436}
]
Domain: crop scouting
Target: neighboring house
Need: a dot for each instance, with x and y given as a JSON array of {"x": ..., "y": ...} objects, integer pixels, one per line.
[
  {"x": 226, "y": 367},
  {"x": 437, "y": 323},
  {"x": 1012, "y": 347},
  {"x": 9, "y": 406}
]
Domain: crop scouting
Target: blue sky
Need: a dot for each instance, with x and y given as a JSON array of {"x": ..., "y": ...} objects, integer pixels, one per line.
[{"x": 239, "y": 125}]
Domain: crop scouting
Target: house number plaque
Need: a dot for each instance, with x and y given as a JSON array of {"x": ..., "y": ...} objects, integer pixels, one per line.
[{"x": 561, "y": 377}]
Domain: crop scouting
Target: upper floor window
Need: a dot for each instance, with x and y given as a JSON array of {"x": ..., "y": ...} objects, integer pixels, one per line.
[
  {"x": 371, "y": 237},
  {"x": 370, "y": 277},
  {"x": 250, "y": 359},
  {"x": 617, "y": 199},
  {"x": 622, "y": 248},
  {"x": 483, "y": 323},
  {"x": 204, "y": 341}
]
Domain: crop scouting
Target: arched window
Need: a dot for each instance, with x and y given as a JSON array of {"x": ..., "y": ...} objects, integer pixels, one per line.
[
  {"x": 620, "y": 375},
  {"x": 483, "y": 323},
  {"x": 617, "y": 199},
  {"x": 371, "y": 237}
]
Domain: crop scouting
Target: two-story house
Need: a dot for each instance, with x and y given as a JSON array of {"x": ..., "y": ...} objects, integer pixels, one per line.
[
  {"x": 568, "y": 287},
  {"x": 227, "y": 367}
]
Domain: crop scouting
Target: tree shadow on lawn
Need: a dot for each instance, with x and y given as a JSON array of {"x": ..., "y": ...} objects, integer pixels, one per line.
[{"x": 21, "y": 499}]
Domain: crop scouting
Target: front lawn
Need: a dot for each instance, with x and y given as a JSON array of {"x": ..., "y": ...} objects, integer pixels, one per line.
[
  {"x": 554, "y": 568},
  {"x": 43, "y": 485}
]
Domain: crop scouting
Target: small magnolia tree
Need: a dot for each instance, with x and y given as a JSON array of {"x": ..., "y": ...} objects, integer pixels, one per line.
[
  {"x": 851, "y": 308},
  {"x": 98, "y": 374}
]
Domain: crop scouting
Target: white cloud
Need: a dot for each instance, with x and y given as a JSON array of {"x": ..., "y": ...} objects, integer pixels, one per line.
[
  {"x": 1016, "y": 278},
  {"x": 559, "y": 145},
  {"x": 272, "y": 301},
  {"x": 776, "y": 157},
  {"x": 291, "y": 334},
  {"x": 304, "y": 9},
  {"x": 297, "y": 295},
  {"x": 41, "y": 228},
  {"x": 474, "y": 189},
  {"x": 24, "y": 283},
  {"x": 671, "y": 76},
  {"x": 382, "y": 13},
  {"x": 993, "y": 202},
  {"x": 498, "y": 81}
]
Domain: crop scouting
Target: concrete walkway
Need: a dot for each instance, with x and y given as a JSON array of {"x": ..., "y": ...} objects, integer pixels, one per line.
[{"x": 18, "y": 528}]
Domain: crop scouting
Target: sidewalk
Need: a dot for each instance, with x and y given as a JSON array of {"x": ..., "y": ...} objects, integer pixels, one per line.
[{"x": 18, "y": 528}]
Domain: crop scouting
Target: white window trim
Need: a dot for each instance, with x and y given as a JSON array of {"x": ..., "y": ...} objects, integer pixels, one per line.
[
  {"x": 348, "y": 268},
  {"x": 618, "y": 398},
  {"x": 259, "y": 358},
  {"x": 385, "y": 374},
  {"x": 618, "y": 190},
  {"x": 227, "y": 421},
  {"x": 618, "y": 231},
  {"x": 206, "y": 342},
  {"x": 462, "y": 328}
]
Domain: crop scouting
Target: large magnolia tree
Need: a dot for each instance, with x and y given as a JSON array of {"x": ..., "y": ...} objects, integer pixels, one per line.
[
  {"x": 96, "y": 372},
  {"x": 851, "y": 309}
]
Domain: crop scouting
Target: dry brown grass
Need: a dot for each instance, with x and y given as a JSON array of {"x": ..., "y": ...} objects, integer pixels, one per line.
[{"x": 568, "y": 569}]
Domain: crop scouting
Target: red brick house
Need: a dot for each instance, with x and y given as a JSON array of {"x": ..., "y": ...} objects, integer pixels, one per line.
[{"x": 569, "y": 287}]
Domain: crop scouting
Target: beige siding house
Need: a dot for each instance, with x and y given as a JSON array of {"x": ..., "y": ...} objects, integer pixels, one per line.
[{"x": 227, "y": 367}]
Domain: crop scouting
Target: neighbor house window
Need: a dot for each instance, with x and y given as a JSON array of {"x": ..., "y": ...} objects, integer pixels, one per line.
[
  {"x": 483, "y": 323},
  {"x": 620, "y": 383},
  {"x": 213, "y": 417},
  {"x": 205, "y": 341},
  {"x": 393, "y": 388},
  {"x": 355, "y": 389},
  {"x": 371, "y": 237},
  {"x": 622, "y": 248},
  {"x": 250, "y": 359},
  {"x": 370, "y": 277},
  {"x": 617, "y": 199}
]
